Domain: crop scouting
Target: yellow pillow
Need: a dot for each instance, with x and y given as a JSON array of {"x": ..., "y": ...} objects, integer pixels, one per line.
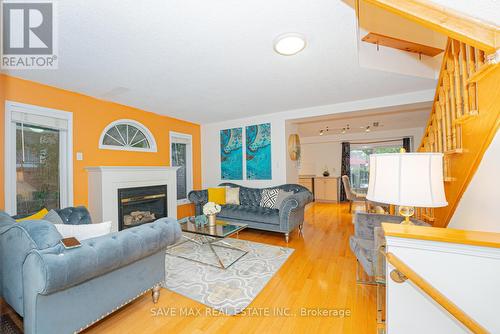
[
  {"x": 217, "y": 195},
  {"x": 39, "y": 215}
]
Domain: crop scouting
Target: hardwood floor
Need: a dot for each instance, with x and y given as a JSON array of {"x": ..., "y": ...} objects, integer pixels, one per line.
[{"x": 320, "y": 275}]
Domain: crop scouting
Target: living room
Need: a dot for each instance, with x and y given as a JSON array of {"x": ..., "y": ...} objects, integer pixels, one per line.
[{"x": 203, "y": 167}]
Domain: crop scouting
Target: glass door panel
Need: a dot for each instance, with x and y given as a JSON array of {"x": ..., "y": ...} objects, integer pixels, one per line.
[
  {"x": 37, "y": 168},
  {"x": 179, "y": 158},
  {"x": 360, "y": 158}
]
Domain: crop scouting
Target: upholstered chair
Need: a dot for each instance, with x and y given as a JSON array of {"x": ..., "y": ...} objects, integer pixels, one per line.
[{"x": 352, "y": 195}]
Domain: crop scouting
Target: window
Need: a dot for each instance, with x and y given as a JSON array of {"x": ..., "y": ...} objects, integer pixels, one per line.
[
  {"x": 360, "y": 158},
  {"x": 38, "y": 164},
  {"x": 127, "y": 135},
  {"x": 181, "y": 156}
]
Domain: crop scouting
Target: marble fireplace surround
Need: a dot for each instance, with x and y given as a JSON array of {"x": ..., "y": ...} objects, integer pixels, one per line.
[{"x": 104, "y": 182}]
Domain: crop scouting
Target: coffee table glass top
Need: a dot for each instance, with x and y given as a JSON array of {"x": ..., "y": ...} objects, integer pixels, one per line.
[{"x": 221, "y": 229}]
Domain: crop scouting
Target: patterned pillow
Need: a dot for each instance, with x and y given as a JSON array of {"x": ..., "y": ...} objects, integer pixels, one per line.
[{"x": 269, "y": 197}]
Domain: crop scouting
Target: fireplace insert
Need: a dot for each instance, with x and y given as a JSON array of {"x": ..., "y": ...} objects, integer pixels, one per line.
[{"x": 141, "y": 205}]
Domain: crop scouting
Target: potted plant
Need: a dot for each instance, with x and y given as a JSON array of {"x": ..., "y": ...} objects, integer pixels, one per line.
[{"x": 211, "y": 210}]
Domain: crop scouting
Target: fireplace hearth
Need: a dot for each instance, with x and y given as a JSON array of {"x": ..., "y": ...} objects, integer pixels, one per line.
[{"x": 141, "y": 205}]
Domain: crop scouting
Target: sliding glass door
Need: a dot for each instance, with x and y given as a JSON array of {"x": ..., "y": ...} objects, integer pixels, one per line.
[{"x": 360, "y": 158}]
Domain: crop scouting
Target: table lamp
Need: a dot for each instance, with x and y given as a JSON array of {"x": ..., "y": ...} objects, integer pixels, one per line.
[{"x": 408, "y": 180}]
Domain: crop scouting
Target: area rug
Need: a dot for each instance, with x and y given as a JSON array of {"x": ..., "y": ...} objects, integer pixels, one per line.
[
  {"x": 8, "y": 326},
  {"x": 227, "y": 290}
]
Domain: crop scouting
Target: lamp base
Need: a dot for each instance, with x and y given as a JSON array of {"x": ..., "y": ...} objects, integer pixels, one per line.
[{"x": 407, "y": 212}]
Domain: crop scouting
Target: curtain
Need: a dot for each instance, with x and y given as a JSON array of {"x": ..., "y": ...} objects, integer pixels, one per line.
[
  {"x": 345, "y": 167},
  {"x": 407, "y": 144}
]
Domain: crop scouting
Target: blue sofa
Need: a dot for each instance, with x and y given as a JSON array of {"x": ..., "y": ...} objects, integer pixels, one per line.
[
  {"x": 57, "y": 290},
  {"x": 289, "y": 216}
]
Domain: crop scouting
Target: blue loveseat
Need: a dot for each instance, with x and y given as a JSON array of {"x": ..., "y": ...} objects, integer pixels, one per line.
[
  {"x": 289, "y": 216},
  {"x": 58, "y": 290}
]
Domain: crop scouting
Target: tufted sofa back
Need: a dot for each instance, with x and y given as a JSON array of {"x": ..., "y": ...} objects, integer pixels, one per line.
[
  {"x": 252, "y": 196},
  {"x": 75, "y": 215}
]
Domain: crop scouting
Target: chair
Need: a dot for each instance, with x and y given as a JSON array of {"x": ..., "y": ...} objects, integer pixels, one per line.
[
  {"x": 367, "y": 244},
  {"x": 352, "y": 195}
]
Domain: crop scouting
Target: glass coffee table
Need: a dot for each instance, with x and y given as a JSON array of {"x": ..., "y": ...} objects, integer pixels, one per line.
[{"x": 211, "y": 236}]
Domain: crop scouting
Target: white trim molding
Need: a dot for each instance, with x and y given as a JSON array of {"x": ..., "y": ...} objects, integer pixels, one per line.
[
  {"x": 143, "y": 129},
  {"x": 30, "y": 114},
  {"x": 183, "y": 138}
]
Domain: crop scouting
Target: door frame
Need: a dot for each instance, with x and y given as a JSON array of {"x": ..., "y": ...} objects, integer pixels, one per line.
[{"x": 65, "y": 150}]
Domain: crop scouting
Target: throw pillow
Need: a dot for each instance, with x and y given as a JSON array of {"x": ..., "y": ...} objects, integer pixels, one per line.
[
  {"x": 282, "y": 195},
  {"x": 36, "y": 216},
  {"x": 84, "y": 231},
  {"x": 53, "y": 217},
  {"x": 269, "y": 197},
  {"x": 233, "y": 196},
  {"x": 43, "y": 233},
  {"x": 217, "y": 195}
]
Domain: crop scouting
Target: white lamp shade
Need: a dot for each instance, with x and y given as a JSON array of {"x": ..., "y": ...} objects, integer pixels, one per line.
[{"x": 410, "y": 179}]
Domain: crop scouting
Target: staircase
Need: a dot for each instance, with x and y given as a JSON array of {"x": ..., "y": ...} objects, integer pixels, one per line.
[
  {"x": 463, "y": 121},
  {"x": 466, "y": 111}
]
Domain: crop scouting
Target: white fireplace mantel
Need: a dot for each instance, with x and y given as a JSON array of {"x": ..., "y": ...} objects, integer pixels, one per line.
[{"x": 104, "y": 182}]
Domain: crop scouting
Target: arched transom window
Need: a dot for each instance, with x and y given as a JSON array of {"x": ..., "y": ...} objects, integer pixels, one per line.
[{"x": 127, "y": 135}]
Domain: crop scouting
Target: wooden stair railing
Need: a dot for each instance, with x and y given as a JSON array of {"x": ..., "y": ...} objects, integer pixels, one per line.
[
  {"x": 463, "y": 121},
  {"x": 403, "y": 272}
]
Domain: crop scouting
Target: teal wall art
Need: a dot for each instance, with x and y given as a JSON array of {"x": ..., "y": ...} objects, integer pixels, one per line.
[
  {"x": 258, "y": 152},
  {"x": 231, "y": 154}
]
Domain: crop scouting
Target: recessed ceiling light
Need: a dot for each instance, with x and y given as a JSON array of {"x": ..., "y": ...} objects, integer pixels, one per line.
[{"x": 289, "y": 44}]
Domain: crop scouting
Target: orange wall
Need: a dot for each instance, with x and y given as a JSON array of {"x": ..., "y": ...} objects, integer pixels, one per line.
[{"x": 90, "y": 117}]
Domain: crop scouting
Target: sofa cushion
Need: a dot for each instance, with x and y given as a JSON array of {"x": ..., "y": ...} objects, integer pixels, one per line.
[
  {"x": 53, "y": 217},
  {"x": 282, "y": 195},
  {"x": 37, "y": 215},
  {"x": 269, "y": 197},
  {"x": 75, "y": 215},
  {"x": 84, "y": 231},
  {"x": 250, "y": 213},
  {"x": 43, "y": 233},
  {"x": 233, "y": 195},
  {"x": 217, "y": 195}
]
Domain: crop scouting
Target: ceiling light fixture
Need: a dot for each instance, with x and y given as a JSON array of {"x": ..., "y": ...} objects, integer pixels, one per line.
[{"x": 289, "y": 44}]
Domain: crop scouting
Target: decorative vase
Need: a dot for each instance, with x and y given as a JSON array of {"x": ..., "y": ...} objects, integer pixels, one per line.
[{"x": 212, "y": 219}]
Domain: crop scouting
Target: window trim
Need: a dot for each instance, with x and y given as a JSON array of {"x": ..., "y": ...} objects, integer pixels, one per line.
[
  {"x": 148, "y": 134},
  {"x": 184, "y": 138},
  {"x": 66, "y": 151}
]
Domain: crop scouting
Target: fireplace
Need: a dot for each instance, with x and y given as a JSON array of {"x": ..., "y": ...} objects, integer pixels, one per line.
[{"x": 141, "y": 205}]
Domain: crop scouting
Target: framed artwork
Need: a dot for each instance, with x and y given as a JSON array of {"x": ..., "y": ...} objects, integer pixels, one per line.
[
  {"x": 231, "y": 154},
  {"x": 258, "y": 152}
]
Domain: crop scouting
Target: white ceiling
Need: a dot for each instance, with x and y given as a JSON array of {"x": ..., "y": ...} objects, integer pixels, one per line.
[
  {"x": 415, "y": 116},
  {"x": 485, "y": 10},
  {"x": 206, "y": 61}
]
